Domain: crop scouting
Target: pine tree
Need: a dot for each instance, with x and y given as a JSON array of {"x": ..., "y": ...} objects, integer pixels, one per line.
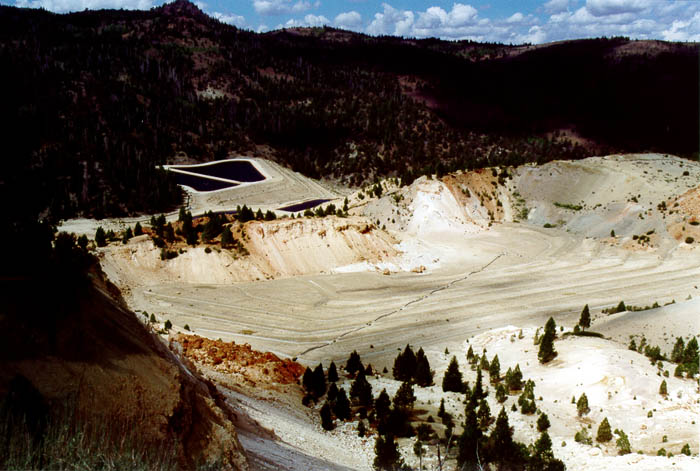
[
  {"x": 308, "y": 380},
  {"x": 542, "y": 422},
  {"x": 387, "y": 454},
  {"x": 319, "y": 381},
  {"x": 501, "y": 393},
  {"x": 622, "y": 442},
  {"x": 361, "y": 390},
  {"x": 470, "y": 353},
  {"x": 332, "y": 392},
  {"x": 404, "y": 397},
  {"x": 382, "y": 405},
  {"x": 441, "y": 409},
  {"x": 326, "y": 417},
  {"x": 332, "y": 373},
  {"x": 361, "y": 429},
  {"x": 483, "y": 415},
  {"x": 484, "y": 364},
  {"x": 100, "y": 238},
  {"x": 405, "y": 365},
  {"x": 138, "y": 230},
  {"x": 515, "y": 382},
  {"x": 663, "y": 389},
  {"x": 547, "y": 352},
  {"x": 604, "y": 432},
  {"x": 495, "y": 370},
  {"x": 452, "y": 381},
  {"x": 341, "y": 407},
  {"x": 470, "y": 438},
  {"x": 585, "y": 319},
  {"x": 424, "y": 375},
  {"x": 582, "y": 405},
  {"x": 226, "y": 237},
  {"x": 353, "y": 364},
  {"x": 478, "y": 392},
  {"x": 503, "y": 433}
]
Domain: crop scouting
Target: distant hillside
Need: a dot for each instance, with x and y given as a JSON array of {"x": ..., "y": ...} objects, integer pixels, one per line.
[{"x": 93, "y": 101}]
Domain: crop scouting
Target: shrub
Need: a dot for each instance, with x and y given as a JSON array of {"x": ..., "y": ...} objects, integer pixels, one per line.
[
  {"x": 187, "y": 327},
  {"x": 604, "y": 434},
  {"x": 689, "y": 240},
  {"x": 168, "y": 325},
  {"x": 686, "y": 449},
  {"x": 582, "y": 437},
  {"x": 661, "y": 452},
  {"x": 623, "y": 443}
]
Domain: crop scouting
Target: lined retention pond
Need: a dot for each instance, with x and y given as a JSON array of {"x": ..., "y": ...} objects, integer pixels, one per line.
[
  {"x": 303, "y": 206},
  {"x": 239, "y": 170},
  {"x": 200, "y": 183}
]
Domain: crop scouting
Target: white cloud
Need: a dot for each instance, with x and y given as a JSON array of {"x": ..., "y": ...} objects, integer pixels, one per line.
[
  {"x": 556, "y": 6},
  {"x": 391, "y": 21},
  {"x": 236, "y": 20},
  {"x": 349, "y": 20},
  {"x": 308, "y": 20},
  {"x": 616, "y": 7},
  {"x": 281, "y": 7},
  {"x": 61, "y": 6},
  {"x": 680, "y": 30}
]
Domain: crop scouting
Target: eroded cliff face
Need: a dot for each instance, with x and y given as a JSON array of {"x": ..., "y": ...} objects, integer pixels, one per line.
[
  {"x": 101, "y": 360},
  {"x": 276, "y": 249}
]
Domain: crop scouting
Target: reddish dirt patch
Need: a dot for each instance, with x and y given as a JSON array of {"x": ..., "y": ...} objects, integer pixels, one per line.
[{"x": 242, "y": 359}]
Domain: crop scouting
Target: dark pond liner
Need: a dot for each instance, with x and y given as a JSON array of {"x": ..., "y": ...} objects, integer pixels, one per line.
[
  {"x": 201, "y": 184},
  {"x": 239, "y": 170},
  {"x": 303, "y": 206}
]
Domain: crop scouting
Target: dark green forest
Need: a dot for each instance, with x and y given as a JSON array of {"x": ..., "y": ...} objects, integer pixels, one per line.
[{"x": 94, "y": 101}]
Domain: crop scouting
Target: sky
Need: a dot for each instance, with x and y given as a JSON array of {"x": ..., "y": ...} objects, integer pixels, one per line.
[{"x": 509, "y": 22}]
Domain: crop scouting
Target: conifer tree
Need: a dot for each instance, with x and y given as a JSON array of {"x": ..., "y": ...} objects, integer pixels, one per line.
[
  {"x": 332, "y": 373},
  {"x": 387, "y": 454},
  {"x": 341, "y": 407},
  {"x": 547, "y": 352},
  {"x": 582, "y": 405},
  {"x": 470, "y": 438},
  {"x": 100, "y": 237},
  {"x": 441, "y": 409},
  {"x": 663, "y": 389},
  {"x": 405, "y": 365},
  {"x": 501, "y": 393},
  {"x": 542, "y": 422},
  {"x": 495, "y": 370},
  {"x": 361, "y": 390},
  {"x": 483, "y": 415},
  {"x": 382, "y": 405},
  {"x": 326, "y": 417},
  {"x": 332, "y": 392},
  {"x": 308, "y": 380},
  {"x": 484, "y": 364},
  {"x": 138, "y": 230},
  {"x": 226, "y": 237},
  {"x": 404, "y": 397},
  {"x": 503, "y": 433},
  {"x": 585, "y": 319},
  {"x": 515, "y": 382},
  {"x": 424, "y": 375},
  {"x": 452, "y": 381},
  {"x": 478, "y": 392},
  {"x": 353, "y": 364},
  {"x": 319, "y": 381},
  {"x": 604, "y": 432},
  {"x": 470, "y": 353},
  {"x": 361, "y": 429}
]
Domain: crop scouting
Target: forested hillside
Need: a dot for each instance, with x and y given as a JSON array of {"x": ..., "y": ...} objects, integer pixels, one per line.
[{"x": 94, "y": 101}]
